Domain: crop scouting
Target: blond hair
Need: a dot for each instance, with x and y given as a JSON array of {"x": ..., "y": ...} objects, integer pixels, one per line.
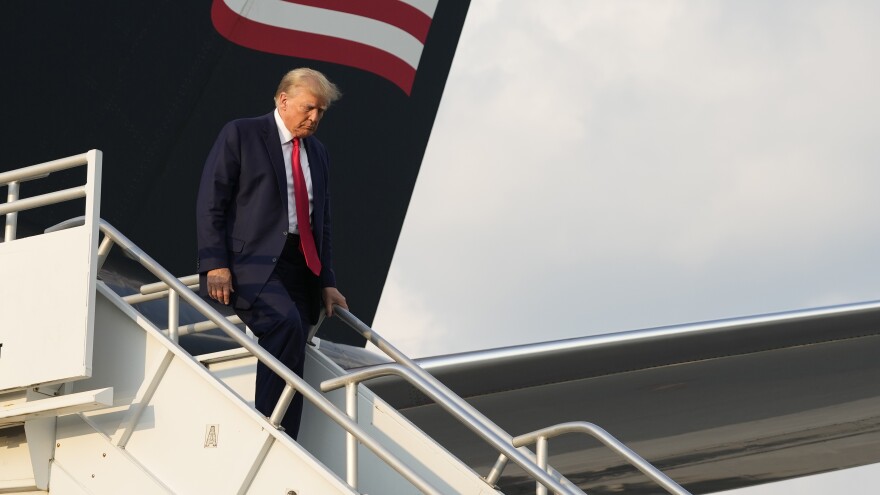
[{"x": 311, "y": 80}]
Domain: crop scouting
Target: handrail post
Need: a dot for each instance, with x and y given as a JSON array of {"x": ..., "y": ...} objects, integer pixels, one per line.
[
  {"x": 11, "y": 217},
  {"x": 173, "y": 315},
  {"x": 282, "y": 405},
  {"x": 495, "y": 474},
  {"x": 541, "y": 453},
  {"x": 104, "y": 251},
  {"x": 351, "y": 457}
]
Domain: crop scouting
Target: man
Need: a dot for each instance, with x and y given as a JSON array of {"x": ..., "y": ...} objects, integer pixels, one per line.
[{"x": 263, "y": 224}]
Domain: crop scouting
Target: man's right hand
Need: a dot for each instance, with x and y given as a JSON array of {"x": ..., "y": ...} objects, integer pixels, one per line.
[{"x": 220, "y": 285}]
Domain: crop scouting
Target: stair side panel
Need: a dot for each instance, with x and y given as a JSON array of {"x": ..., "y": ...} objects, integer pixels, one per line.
[
  {"x": 194, "y": 433},
  {"x": 95, "y": 465},
  {"x": 45, "y": 328}
]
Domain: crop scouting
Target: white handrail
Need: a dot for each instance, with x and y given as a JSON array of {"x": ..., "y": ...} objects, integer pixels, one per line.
[
  {"x": 521, "y": 458},
  {"x": 158, "y": 287},
  {"x": 467, "y": 414},
  {"x": 294, "y": 382},
  {"x": 43, "y": 200},
  {"x": 41, "y": 170},
  {"x": 350, "y": 380},
  {"x": 541, "y": 436},
  {"x": 14, "y": 178}
]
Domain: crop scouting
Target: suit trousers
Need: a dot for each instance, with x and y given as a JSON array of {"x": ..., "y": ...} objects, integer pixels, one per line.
[{"x": 280, "y": 318}]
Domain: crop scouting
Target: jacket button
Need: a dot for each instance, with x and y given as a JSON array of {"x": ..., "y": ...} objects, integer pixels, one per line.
[
  {"x": 274, "y": 260},
  {"x": 284, "y": 234}
]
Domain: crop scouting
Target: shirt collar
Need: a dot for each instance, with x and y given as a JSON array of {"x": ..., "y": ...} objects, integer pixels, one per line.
[{"x": 283, "y": 133}]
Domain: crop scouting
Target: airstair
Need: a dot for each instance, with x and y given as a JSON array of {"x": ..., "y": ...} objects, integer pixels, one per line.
[{"x": 95, "y": 398}]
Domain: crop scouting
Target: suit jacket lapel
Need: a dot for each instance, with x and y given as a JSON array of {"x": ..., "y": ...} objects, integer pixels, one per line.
[
  {"x": 317, "y": 169},
  {"x": 273, "y": 148}
]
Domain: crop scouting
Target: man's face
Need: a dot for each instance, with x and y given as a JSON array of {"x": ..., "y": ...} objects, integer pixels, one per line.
[{"x": 301, "y": 110}]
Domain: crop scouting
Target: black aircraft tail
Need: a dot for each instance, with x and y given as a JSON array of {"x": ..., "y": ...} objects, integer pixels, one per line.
[{"x": 151, "y": 84}]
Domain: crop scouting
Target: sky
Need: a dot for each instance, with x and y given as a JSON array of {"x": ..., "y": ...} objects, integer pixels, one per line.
[{"x": 607, "y": 165}]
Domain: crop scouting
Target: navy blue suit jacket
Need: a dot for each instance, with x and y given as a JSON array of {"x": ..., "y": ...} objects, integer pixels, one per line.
[{"x": 242, "y": 206}]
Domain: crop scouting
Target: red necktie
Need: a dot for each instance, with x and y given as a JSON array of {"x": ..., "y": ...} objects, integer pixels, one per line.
[{"x": 301, "y": 200}]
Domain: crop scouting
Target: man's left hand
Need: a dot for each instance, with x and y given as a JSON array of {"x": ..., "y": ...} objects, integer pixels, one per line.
[{"x": 331, "y": 297}]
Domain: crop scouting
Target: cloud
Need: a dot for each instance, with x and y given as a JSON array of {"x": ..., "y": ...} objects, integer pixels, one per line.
[{"x": 600, "y": 166}]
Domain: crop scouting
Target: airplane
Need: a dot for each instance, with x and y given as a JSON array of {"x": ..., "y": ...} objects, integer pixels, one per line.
[{"x": 715, "y": 405}]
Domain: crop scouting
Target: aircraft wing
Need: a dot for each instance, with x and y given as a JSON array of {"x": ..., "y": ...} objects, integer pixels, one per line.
[{"x": 716, "y": 405}]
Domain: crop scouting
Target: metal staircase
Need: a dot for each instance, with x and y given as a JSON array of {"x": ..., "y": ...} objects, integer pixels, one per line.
[{"x": 96, "y": 398}]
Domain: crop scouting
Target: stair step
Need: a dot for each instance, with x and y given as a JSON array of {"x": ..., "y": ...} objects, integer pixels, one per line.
[{"x": 57, "y": 406}]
